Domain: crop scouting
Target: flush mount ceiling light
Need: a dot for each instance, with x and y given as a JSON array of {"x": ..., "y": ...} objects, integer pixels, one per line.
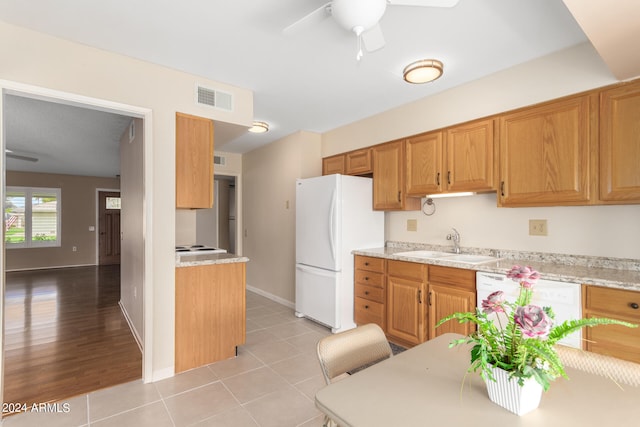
[
  {"x": 259, "y": 127},
  {"x": 423, "y": 71}
]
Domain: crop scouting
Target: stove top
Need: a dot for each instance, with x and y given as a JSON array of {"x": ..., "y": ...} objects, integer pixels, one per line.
[{"x": 199, "y": 249}]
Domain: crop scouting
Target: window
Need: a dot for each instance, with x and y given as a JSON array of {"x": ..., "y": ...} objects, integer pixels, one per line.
[{"x": 32, "y": 217}]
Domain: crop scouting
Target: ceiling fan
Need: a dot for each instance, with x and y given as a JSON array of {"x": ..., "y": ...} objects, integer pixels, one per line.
[
  {"x": 362, "y": 17},
  {"x": 11, "y": 154}
]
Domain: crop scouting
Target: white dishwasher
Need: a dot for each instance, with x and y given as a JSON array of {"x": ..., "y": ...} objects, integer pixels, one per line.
[{"x": 563, "y": 297}]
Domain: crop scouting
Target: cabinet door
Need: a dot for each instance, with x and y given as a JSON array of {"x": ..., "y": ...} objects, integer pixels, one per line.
[
  {"x": 470, "y": 157},
  {"x": 359, "y": 162},
  {"x": 333, "y": 164},
  {"x": 545, "y": 154},
  {"x": 406, "y": 315},
  {"x": 388, "y": 178},
  {"x": 424, "y": 164},
  {"x": 445, "y": 300},
  {"x": 620, "y": 144},
  {"x": 194, "y": 162}
]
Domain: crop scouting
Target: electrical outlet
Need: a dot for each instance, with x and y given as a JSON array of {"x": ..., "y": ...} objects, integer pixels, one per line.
[
  {"x": 537, "y": 227},
  {"x": 412, "y": 225},
  {"x": 74, "y": 249}
]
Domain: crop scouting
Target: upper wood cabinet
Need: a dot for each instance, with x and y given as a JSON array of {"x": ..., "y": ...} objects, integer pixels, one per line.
[
  {"x": 388, "y": 178},
  {"x": 545, "y": 153},
  {"x": 456, "y": 159},
  {"x": 194, "y": 162},
  {"x": 620, "y": 144},
  {"x": 358, "y": 162},
  {"x": 333, "y": 164}
]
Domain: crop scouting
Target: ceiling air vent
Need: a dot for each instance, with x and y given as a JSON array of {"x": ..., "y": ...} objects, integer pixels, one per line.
[
  {"x": 214, "y": 98},
  {"x": 219, "y": 160}
]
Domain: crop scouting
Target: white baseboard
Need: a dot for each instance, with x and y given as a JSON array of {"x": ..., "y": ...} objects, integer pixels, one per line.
[
  {"x": 163, "y": 374},
  {"x": 50, "y": 267},
  {"x": 136, "y": 336},
  {"x": 272, "y": 297}
]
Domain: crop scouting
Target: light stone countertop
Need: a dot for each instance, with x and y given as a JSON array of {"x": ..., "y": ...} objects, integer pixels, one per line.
[
  {"x": 607, "y": 272},
  {"x": 208, "y": 259}
]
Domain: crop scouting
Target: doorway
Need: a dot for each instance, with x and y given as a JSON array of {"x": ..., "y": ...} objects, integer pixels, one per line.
[
  {"x": 142, "y": 246},
  {"x": 108, "y": 227}
]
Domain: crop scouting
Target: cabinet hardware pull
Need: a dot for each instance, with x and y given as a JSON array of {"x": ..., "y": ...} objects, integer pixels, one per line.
[
  {"x": 366, "y": 277},
  {"x": 399, "y": 193},
  {"x": 634, "y": 305},
  {"x": 419, "y": 296},
  {"x": 438, "y": 179},
  {"x": 366, "y": 306},
  {"x": 449, "y": 177},
  {"x": 502, "y": 188},
  {"x": 431, "y": 292},
  {"x": 366, "y": 263},
  {"x": 366, "y": 292}
]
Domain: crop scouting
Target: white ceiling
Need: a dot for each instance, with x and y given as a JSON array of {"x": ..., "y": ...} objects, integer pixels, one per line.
[{"x": 311, "y": 80}]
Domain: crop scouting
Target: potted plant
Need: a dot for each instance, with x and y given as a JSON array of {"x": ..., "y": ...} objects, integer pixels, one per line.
[{"x": 518, "y": 348}]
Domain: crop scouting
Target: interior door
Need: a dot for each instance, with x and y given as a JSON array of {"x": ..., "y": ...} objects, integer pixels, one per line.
[{"x": 108, "y": 227}]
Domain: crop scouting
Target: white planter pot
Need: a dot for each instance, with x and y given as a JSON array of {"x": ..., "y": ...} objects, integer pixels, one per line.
[{"x": 511, "y": 396}]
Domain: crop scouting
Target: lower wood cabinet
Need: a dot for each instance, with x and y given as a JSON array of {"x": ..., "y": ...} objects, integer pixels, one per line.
[
  {"x": 451, "y": 290},
  {"x": 370, "y": 291},
  {"x": 210, "y": 313},
  {"x": 406, "y": 305},
  {"x": 612, "y": 340}
]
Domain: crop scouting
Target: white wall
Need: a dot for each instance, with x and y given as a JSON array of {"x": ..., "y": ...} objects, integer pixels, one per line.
[
  {"x": 595, "y": 230},
  {"x": 48, "y": 62},
  {"x": 269, "y": 176}
]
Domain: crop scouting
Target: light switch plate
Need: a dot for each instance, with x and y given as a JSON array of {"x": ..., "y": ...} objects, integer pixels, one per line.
[{"x": 412, "y": 225}]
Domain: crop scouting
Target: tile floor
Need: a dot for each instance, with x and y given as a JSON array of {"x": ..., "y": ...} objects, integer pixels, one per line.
[{"x": 272, "y": 382}]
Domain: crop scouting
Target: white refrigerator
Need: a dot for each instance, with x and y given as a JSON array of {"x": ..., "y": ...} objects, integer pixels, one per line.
[{"x": 334, "y": 216}]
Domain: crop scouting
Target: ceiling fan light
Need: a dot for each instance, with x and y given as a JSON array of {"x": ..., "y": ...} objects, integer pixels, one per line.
[
  {"x": 358, "y": 13},
  {"x": 259, "y": 127},
  {"x": 423, "y": 71}
]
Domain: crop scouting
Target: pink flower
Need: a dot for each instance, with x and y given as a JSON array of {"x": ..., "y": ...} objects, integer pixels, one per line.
[
  {"x": 493, "y": 303},
  {"x": 526, "y": 276},
  {"x": 533, "y": 321}
]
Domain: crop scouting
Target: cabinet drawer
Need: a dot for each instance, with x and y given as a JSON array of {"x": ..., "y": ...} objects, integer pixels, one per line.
[
  {"x": 370, "y": 278},
  {"x": 369, "y": 312},
  {"x": 614, "y": 340},
  {"x": 458, "y": 277},
  {"x": 370, "y": 293},
  {"x": 408, "y": 270},
  {"x": 369, "y": 263},
  {"x": 619, "y": 303}
]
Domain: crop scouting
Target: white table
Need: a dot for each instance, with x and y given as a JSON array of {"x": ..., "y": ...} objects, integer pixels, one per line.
[{"x": 428, "y": 385}]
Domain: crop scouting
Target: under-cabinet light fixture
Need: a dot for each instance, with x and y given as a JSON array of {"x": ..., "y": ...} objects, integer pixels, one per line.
[{"x": 445, "y": 195}]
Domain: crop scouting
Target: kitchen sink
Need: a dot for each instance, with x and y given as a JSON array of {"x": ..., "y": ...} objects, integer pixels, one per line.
[
  {"x": 424, "y": 254},
  {"x": 472, "y": 259},
  {"x": 448, "y": 256}
]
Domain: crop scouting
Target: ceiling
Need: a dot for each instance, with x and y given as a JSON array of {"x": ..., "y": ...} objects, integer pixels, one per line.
[{"x": 306, "y": 81}]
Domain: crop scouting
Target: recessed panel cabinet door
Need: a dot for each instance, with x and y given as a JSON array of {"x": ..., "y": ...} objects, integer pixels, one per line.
[
  {"x": 446, "y": 300},
  {"x": 545, "y": 154},
  {"x": 194, "y": 162},
  {"x": 470, "y": 157},
  {"x": 620, "y": 144},
  {"x": 406, "y": 315}
]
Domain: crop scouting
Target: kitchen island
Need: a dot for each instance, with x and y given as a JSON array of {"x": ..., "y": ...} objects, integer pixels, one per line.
[{"x": 210, "y": 308}]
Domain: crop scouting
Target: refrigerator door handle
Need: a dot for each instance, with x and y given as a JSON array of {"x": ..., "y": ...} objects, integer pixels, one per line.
[{"x": 332, "y": 224}]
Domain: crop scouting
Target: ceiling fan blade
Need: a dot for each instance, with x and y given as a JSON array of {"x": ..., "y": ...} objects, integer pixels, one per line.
[
  {"x": 373, "y": 38},
  {"x": 309, "y": 20},
  {"x": 425, "y": 3},
  {"x": 19, "y": 157}
]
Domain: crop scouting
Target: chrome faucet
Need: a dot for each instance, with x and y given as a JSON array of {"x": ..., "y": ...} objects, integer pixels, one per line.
[{"x": 455, "y": 237}]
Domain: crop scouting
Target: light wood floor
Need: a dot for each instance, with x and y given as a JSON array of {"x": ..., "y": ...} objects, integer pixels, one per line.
[{"x": 65, "y": 334}]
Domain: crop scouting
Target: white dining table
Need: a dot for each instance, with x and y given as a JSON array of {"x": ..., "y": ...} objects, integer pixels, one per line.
[{"x": 428, "y": 385}]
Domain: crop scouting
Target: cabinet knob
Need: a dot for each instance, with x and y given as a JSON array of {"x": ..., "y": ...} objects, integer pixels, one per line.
[
  {"x": 366, "y": 277},
  {"x": 366, "y": 306},
  {"x": 366, "y": 263},
  {"x": 634, "y": 305},
  {"x": 366, "y": 292}
]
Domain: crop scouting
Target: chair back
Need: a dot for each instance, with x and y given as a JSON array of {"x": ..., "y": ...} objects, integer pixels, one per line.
[
  {"x": 352, "y": 349},
  {"x": 620, "y": 371}
]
